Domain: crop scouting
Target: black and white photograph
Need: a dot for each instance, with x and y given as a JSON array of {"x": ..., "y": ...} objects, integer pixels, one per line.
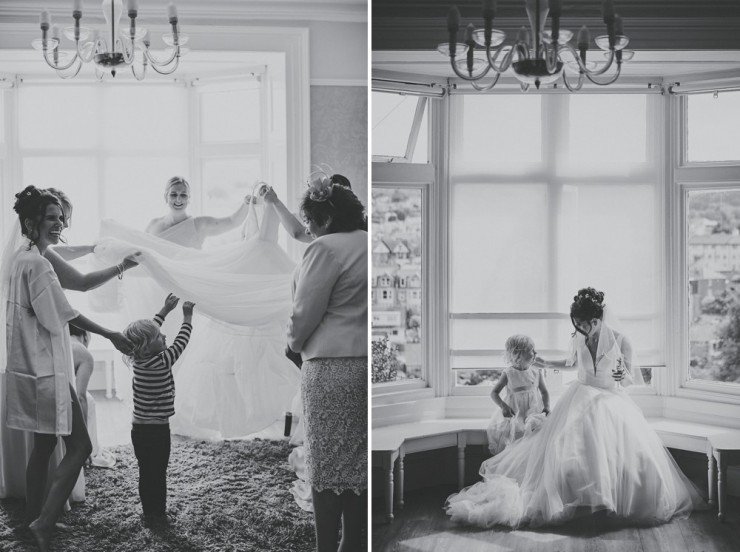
[
  {"x": 184, "y": 206},
  {"x": 555, "y": 275}
]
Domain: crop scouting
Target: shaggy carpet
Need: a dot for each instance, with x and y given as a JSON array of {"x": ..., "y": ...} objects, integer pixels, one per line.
[{"x": 225, "y": 496}]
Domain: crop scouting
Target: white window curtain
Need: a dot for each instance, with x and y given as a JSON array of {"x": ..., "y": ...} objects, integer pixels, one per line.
[{"x": 549, "y": 194}]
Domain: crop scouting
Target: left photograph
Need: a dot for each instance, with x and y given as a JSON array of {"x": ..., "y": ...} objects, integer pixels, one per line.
[{"x": 183, "y": 275}]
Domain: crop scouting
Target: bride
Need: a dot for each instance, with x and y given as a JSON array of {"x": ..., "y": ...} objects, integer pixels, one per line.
[
  {"x": 594, "y": 452},
  {"x": 233, "y": 380}
]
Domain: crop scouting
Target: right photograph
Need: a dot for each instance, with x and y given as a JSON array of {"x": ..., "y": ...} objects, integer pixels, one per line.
[{"x": 555, "y": 286}]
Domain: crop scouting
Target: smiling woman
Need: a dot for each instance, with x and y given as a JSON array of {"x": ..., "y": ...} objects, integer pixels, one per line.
[{"x": 40, "y": 394}]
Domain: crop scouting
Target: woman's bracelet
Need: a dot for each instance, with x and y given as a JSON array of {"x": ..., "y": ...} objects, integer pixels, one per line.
[{"x": 120, "y": 269}]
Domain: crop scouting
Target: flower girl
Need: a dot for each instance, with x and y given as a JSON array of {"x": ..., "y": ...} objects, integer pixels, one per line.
[{"x": 527, "y": 400}]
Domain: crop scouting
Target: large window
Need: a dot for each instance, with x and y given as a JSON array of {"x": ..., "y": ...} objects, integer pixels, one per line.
[
  {"x": 712, "y": 244},
  {"x": 112, "y": 148},
  {"x": 397, "y": 298},
  {"x": 565, "y": 194}
]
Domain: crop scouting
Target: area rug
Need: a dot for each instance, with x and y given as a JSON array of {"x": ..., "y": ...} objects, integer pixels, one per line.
[{"x": 224, "y": 496}]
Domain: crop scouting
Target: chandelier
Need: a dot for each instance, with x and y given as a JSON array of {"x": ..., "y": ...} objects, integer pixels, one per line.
[
  {"x": 538, "y": 55},
  {"x": 110, "y": 49}
]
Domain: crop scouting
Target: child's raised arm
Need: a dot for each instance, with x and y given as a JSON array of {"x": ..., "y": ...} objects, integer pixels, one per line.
[
  {"x": 169, "y": 305},
  {"x": 500, "y": 384},
  {"x": 173, "y": 352},
  {"x": 544, "y": 393}
]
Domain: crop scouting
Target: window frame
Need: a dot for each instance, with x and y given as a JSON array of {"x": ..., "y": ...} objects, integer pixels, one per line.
[
  {"x": 421, "y": 106},
  {"x": 687, "y": 177}
]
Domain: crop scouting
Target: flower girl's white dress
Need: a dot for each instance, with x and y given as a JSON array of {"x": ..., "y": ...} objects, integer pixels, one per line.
[
  {"x": 595, "y": 451},
  {"x": 522, "y": 395}
]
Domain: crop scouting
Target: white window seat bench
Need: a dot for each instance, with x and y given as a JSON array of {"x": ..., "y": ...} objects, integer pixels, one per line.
[{"x": 390, "y": 444}]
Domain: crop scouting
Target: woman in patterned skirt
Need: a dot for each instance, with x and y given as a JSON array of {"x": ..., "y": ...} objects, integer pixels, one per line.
[{"x": 328, "y": 327}]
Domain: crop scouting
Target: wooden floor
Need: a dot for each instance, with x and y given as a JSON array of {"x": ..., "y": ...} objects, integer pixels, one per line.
[{"x": 423, "y": 526}]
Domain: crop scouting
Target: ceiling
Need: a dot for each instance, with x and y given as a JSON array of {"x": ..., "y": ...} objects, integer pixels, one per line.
[{"x": 672, "y": 38}]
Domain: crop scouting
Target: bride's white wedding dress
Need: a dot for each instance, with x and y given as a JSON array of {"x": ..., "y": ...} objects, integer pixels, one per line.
[
  {"x": 595, "y": 451},
  {"x": 233, "y": 378}
]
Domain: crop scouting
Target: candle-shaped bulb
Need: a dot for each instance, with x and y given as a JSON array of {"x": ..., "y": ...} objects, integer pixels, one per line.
[
  {"x": 133, "y": 5},
  {"x": 171, "y": 11},
  {"x": 453, "y": 19},
  {"x": 555, "y": 8},
  {"x": 489, "y": 9},
  {"x": 523, "y": 35},
  {"x": 584, "y": 37},
  {"x": 55, "y": 31},
  {"x": 608, "y": 10},
  {"x": 45, "y": 19},
  {"x": 146, "y": 37},
  {"x": 77, "y": 6},
  {"x": 469, "y": 30},
  {"x": 618, "y": 25}
]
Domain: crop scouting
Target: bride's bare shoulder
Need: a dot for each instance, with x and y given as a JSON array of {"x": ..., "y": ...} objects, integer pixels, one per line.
[{"x": 155, "y": 225}]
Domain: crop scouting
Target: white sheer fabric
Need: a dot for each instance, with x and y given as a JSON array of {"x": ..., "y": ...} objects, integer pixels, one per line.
[{"x": 233, "y": 379}]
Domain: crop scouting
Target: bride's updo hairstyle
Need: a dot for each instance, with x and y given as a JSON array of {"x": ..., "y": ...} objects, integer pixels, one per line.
[
  {"x": 329, "y": 199},
  {"x": 176, "y": 180},
  {"x": 587, "y": 305},
  {"x": 31, "y": 204}
]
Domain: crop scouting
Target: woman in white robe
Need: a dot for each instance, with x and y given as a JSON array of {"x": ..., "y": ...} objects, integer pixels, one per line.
[
  {"x": 39, "y": 393},
  {"x": 16, "y": 446}
]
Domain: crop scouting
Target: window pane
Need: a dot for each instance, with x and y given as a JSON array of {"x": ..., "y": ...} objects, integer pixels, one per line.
[
  {"x": 225, "y": 183},
  {"x": 397, "y": 292},
  {"x": 58, "y": 116},
  {"x": 393, "y": 115},
  {"x": 232, "y": 114},
  {"x": 134, "y": 188},
  {"x": 499, "y": 248},
  {"x": 607, "y": 133},
  {"x": 150, "y": 118},
  {"x": 500, "y": 134},
  {"x": 714, "y": 285},
  {"x": 713, "y": 132},
  {"x": 2, "y": 116},
  {"x": 78, "y": 178}
]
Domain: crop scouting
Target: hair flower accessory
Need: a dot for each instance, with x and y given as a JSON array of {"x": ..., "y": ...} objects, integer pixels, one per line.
[{"x": 319, "y": 185}]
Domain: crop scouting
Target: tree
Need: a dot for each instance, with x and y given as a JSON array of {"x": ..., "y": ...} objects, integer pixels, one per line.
[{"x": 729, "y": 335}]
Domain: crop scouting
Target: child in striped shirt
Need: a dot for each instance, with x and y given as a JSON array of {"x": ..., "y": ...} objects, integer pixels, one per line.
[{"x": 154, "y": 402}]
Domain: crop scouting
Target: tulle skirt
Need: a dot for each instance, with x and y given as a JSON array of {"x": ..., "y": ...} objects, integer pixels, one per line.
[{"x": 594, "y": 452}]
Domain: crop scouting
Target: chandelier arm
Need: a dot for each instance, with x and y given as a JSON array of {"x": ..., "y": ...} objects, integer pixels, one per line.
[
  {"x": 551, "y": 58},
  {"x": 505, "y": 63},
  {"x": 144, "y": 65},
  {"x": 73, "y": 74},
  {"x": 89, "y": 57},
  {"x": 582, "y": 66},
  {"x": 128, "y": 55},
  {"x": 161, "y": 63},
  {"x": 468, "y": 77},
  {"x": 57, "y": 67},
  {"x": 576, "y": 87},
  {"x": 167, "y": 71},
  {"x": 612, "y": 80},
  {"x": 485, "y": 88}
]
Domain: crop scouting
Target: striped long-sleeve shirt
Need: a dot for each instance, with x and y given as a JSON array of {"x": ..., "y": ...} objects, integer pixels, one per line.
[{"x": 154, "y": 386}]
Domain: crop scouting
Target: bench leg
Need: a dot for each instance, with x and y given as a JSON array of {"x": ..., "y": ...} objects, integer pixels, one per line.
[
  {"x": 460, "y": 466},
  {"x": 721, "y": 492},
  {"x": 399, "y": 482},
  {"x": 711, "y": 483},
  {"x": 389, "y": 494}
]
